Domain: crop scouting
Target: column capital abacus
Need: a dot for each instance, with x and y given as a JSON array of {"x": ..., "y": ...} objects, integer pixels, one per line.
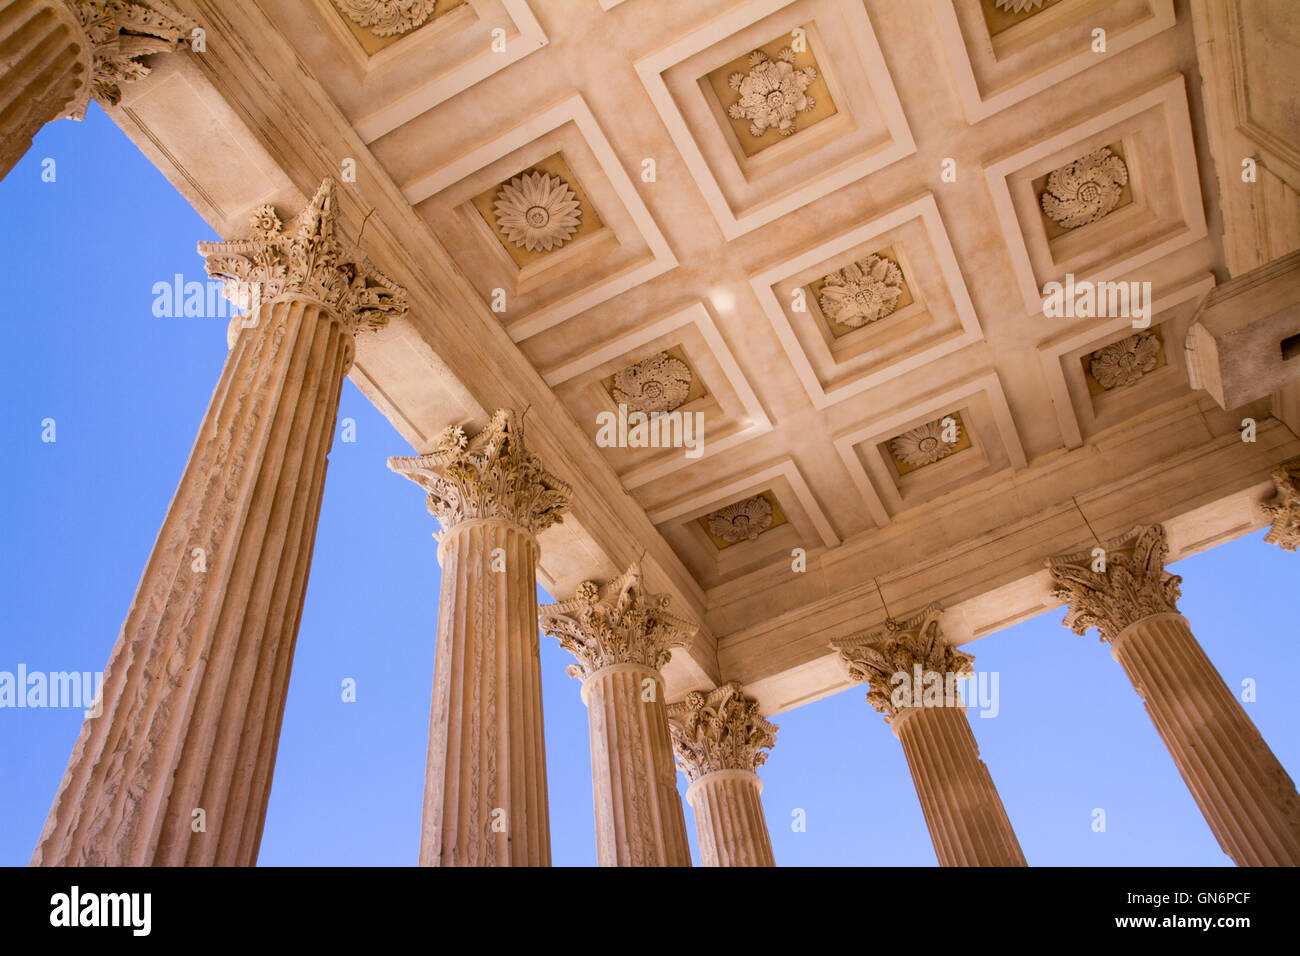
[
  {"x": 902, "y": 647},
  {"x": 305, "y": 257},
  {"x": 1283, "y": 511},
  {"x": 720, "y": 730},
  {"x": 491, "y": 476},
  {"x": 625, "y": 626},
  {"x": 120, "y": 32},
  {"x": 1125, "y": 583}
]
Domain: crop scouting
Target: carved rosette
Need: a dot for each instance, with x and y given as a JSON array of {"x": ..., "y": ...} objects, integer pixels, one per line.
[
  {"x": 899, "y": 648},
  {"x": 305, "y": 258},
  {"x": 1124, "y": 362},
  {"x": 1284, "y": 510},
  {"x": 659, "y": 383},
  {"x": 720, "y": 730},
  {"x": 1133, "y": 586},
  {"x": 862, "y": 292},
  {"x": 1085, "y": 190},
  {"x": 537, "y": 211},
  {"x": 492, "y": 475},
  {"x": 386, "y": 18},
  {"x": 120, "y": 33},
  {"x": 772, "y": 93},
  {"x": 924, "y": 444},
  {"x": 626, "y": 626},
  {"x": 741, "y": 520}
]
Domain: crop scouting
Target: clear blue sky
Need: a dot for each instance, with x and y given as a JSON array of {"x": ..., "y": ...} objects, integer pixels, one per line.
[{"x": 79, "y": 258}]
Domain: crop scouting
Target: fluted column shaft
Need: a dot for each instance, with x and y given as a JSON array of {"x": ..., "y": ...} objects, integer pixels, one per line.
[
  {"x": 485, "y": 784},
  {"x": 45, "y": 66},
  {"x": 639, "y": 818},
  {"x": 729, "y": 819},
  {"x": 621, "y": 641},
  {"x": 194, "y": 691},
  {"x": 910, "y": 669},
  {"x": 1246, "y": 795},
  {"x": 965, "y": 816},
  {"x": 1125, "y": 592}
]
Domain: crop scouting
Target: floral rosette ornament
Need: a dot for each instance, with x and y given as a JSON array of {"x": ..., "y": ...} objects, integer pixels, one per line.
[{"x": 772, "y": 93}]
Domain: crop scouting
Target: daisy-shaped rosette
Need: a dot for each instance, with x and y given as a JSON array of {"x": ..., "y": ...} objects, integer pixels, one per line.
[
  {"x": 1085, "y": 190},
  {"x": 862, "y": 292},
  {"x": 922, "y": 445},
  {"x": 537, "y": 211},
  {"x": 772, "y": 93},
  {"x": 1124, "y": 362}
]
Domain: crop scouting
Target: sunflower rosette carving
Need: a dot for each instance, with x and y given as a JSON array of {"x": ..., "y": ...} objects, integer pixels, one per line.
[
  {"x": 924, "y": 444},
  {"x": 537, "y": 211}
]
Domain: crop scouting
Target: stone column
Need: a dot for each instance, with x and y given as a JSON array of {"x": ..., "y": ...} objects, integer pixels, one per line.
[
  {"x": 1124, "y": 591},
  {"x": 54, "y": 54},
  {"x": 485, "y": 781},
  {"x": 719, "y": 738},
  {"x": 912, "y": 675},
  {"x": 621, "y": 643},
  {"x": 177, "y": 769},
  {"x": 1283, "y": 511}
]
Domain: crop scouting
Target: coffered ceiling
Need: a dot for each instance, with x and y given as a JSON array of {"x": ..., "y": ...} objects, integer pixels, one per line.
[{"x": 823, "y": 225}]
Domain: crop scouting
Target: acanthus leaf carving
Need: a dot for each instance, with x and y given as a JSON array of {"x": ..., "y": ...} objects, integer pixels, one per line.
[
  {"x": 720, "y": 730},
  {"x": 901, "y": 647},
  {"x": 1124, "y": 362},
  {"x": 492, "y": 475},
  {"x": 742, "y": 520},
  {"x": 307, "y": 258},
  {"x": 1133, "y": 586},
  {"x": 386, "y": 18},
  {"x": 772, "y": 93},
  {"x": 862, "y": 292},
  {"x": 120, "y": 32},
  {"x": 1283, "y": 511},
  {"x": 1083, "y": 191},
  {"x": 659, "y": 383},
  {"x": 624, "y": 626}
]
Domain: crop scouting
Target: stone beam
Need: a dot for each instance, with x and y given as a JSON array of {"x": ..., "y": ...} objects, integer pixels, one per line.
[{"x": 1245, "y": 343}]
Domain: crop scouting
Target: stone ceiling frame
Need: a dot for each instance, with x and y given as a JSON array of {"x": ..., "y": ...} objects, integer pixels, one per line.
[{"x": 760, "y": 627}]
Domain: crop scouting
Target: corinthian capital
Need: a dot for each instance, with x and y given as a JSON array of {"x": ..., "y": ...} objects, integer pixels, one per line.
[
  {"x": 895, "y": 658},
  {"x": 1284, "y": 510},
  {"x": 305, "y": 257},
  {"x": 720, "y": 730},
  {"x": 626, "y": 626},
  {"x": 1113, "y": 587},
  {"x": 492, "y": 475},
  {"x": 120, "y": 32}
]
